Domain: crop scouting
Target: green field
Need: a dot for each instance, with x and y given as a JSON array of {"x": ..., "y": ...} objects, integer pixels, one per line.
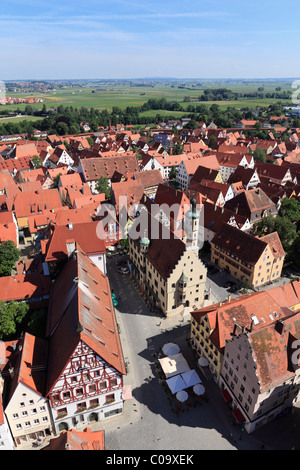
[
  {"x": 20, "y": 118},
  {"x": 109, "y": 95}
]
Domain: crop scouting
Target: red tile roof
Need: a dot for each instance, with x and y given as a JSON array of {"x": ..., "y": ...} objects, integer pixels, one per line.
[
  {"x": 30, "y": 202},
  {"x": 94, "y": 168},
  {"x": 81, "y": 305},
  {"x": 85, "y": 234},
  {"x": 24, "y": 287},
  {"x": 31, "y": 366},
  {"x": 223, "y": 316},
  {"x": 272, "y": 347},
  {"x": 77, "y": 440}
]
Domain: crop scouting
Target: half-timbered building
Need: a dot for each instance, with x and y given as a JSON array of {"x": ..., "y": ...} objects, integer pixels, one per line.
[{"x": 86, "y": 364}]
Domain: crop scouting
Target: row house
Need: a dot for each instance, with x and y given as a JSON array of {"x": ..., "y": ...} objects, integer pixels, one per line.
[
  {"x": 59, "y": 156},
  {"x": 86, "y": 365},
  {"x": 92, "y": 169},
  {"x": 260, "y": 373},
  {"x": 73, "y": 377},
  {"x": 248, "y": 176},
  {"x": 164, "y": 163},
  {"x": 33, "y": 288},
  {"x": 274, "y": 173},
  {"x": 228, "y": 162},
  {"x": 188, "y": 168},
  {"x": 254, "y": 204},
  {"x": 215, "y": 217},
  {"x": 207, "y": 174},
  {"x": 211, "y": 191},
  {"x": 169, "y": 207},
  {"x": 211, "y": 326},
  {"x": 29, "y": 203},
  {"x": 6, "y": 439},
  {"x": 257, "y": 266},
  {"x": 26, "y": 408},
  {"x": 248, "y": 345},
  {"x": 63, "y": 238}
]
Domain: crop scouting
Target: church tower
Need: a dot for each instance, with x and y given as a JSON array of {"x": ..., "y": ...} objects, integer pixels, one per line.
[{"x": 191, "y": 225}]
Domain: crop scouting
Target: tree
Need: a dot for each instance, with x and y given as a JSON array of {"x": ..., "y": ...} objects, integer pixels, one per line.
[
  {"x": 37, "y": 162},
  {"x": 12, "y": 315},
  {"x": 56, "y": 180},
  {"x": 90, "y": 141},
  {"x": 9, "y": 254},
  {"x": 290, "y": 208},
  {"x": 178, "y": 148},
  {"x": 265, "y": 226},
  {"x": 212, "y": 142},
  {"x": 62, "y": 128},
  {"x": 172, "y": 174},
  {"x": 294, "y": 253},
  {"x": 192, "y": 124},
  {"x": 286, "y": 230},
  {"x": 37, "y": 322},
  {"x": 259, "y": 155},
  {"x": 103, "y": 187}
]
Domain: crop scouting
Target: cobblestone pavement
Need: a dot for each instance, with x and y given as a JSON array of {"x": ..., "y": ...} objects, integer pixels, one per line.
[{"x": 151, "y": 420}]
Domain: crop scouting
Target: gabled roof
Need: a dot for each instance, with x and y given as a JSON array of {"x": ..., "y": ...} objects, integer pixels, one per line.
[
  {"x": 250, "y": 201},
  {"x": 287, "y": 295},
  {"x": 24, "y": 287},
  {"x": 94, "y": 168},
  {"x": 272, "y": 347},
  {"x": 273, "y": 240},
  {"x": 215, "y": 217},
  {"x": 231, "y": 160},
  {"x": 204, "y": 173},
  {"x": 84, "y": 234},
  {"x": 210, "y": 190},
  {"x": 81, "y": 305},
  {"x": 238, "y": 242},
  {"x": 210, "y": 161},
  {"x": 31, "y": 366},
  {"x": 254, "y": 310},
  {"x": 243, "y": 174},
  {"x": 77, "y": 440},
  {"x": 168, "y": 195},
  {"x": 8, "y": 230},
  {"x": 165, "y": 248},
  {"x": 29, "y": 202}
]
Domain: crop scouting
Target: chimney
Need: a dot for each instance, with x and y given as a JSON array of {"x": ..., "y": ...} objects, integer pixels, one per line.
[{"x": 71, "y": 245}]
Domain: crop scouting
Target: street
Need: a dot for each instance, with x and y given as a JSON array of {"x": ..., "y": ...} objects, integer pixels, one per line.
[{"x": 150, "y": 420}]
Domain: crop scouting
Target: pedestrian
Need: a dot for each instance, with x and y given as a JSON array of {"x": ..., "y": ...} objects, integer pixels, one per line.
[{"x": 159, "y": 323}]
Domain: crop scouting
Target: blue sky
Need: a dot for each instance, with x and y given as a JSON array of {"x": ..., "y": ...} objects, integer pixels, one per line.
[{"x": 134, "y": 39}]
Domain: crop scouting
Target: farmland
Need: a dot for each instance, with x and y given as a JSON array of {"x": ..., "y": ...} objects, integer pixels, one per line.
[{"x": 106, "y": 95}]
